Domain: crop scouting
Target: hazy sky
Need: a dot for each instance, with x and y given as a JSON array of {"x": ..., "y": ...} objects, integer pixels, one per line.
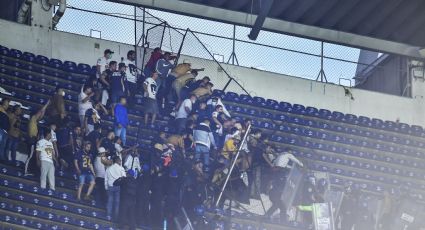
[{"x": 249, "y": 55}]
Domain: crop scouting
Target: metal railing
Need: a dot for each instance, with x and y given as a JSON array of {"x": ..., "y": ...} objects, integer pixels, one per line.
[{"x": 272, "y": 52}]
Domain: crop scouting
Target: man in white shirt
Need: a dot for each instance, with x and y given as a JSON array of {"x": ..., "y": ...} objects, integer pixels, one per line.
[
  {"x": 45, "y": 157},
  {"x": 278, "y": 183},
  {"x": 282, "y": 161},
  {"x": 103, "y": 62},
  {"x": 151, "y": 105},
  {"x": 100, "y": 163},
  {"x": 113, "y": 173},
  {"x": 131, "y": 74},
  {"x": 84, "y": 102},
  {"x": 132, "y": 162},
  {"x": 213, "y": 102},
  {"x": 183, "y": 113}
]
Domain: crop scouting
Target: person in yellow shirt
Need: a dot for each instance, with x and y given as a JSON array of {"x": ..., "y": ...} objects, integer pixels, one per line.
[
  {"x": 231, "y": 147},
  {"x": 30, "y": 163}
]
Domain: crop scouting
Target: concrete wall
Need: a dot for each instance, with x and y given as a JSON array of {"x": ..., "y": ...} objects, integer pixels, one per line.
[{"x": 82, "y": 49}]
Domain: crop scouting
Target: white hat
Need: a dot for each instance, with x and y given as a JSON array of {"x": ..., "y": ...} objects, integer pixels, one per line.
[{"x": 101, "y": 150}]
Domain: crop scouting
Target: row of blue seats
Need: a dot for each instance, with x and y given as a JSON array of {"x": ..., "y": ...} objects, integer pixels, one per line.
[
  {"x": 367, "y": 171},
  {"x": 50, "y": 217},
  {"x": 67, "y": 66},
  {"x": 70, "y": 197},
  {"x": 63, "y": 179},
  {"x": 361, "y": 154},
  {"x": 411, "y": 142},
  {"x": 27, "y": 222},
  {"x": 347, "y": 140},
  {"x": 53, "y": 81},
  {"x": 321, "y": 113}
]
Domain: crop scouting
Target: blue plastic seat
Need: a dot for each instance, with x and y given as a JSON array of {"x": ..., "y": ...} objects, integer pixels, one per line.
[
  {"x": 27, "y": 56},
  {"x": 285, "y": 107},
  {"x": 55, "y": 63},
  {"x": 42, "y": 60},
  {"x": 230, "y": 96},
  {"x": 311, "y": 111},
  {"x": 259, "y": 101},
  {"x": 377, "y": 123},
  {"x": 15, "y": 53},
  {"x": 272, "y": 104},
  {"x": 325, "y": 114},
  {"x": 218, "y": 93},
  {"x": 246, "y": 99}
]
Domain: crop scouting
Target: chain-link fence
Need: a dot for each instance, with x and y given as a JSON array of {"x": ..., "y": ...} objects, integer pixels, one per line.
[{"x": 227, "y": 43}]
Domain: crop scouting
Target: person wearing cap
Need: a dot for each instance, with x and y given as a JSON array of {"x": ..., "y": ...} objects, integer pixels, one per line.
[
  {"x": 103, "y": 62},
  {"x": 101, "y": 162},
  {"x": 85, "y": 171},
  {"x": 118, "y": 87},
  {"x": 113, "y": 173}
]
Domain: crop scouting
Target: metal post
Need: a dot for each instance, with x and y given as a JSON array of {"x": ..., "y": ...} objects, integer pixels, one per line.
[
  {"x": 135, "y": 31},
  {"x": 227, "y": 84},
  {"x": 233, "y": 54},
  {"x": 143, "y": 39},
  {"x": 233, "y": 165},
  {"x": 181, "y": 47},
  {"x": 321, "y": 74}
]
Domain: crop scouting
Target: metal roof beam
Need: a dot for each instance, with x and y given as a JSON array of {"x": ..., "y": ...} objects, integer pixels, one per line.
[{"x": 279, "y": 26}]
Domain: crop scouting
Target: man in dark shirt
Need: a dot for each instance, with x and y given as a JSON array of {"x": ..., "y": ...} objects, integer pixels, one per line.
[
  {"x": 84, "y": 167},
  {"x": 105, "y": 81},
  {"x": 4, "y": 127},
  {"x": 108, "y": 143},
  {"x": 94, "y": 137},
  {"x": 118, "y": 79}
]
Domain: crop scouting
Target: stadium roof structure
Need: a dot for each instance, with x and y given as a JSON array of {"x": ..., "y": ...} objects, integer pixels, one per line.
[{"x": 393, "y": 26}]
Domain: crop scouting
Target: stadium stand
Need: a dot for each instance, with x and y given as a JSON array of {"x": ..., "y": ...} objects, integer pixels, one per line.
[{"x": 370, "y": 154}]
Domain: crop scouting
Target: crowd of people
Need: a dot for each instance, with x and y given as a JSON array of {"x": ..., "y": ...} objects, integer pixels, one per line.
[{"x": 184, "y": 168}]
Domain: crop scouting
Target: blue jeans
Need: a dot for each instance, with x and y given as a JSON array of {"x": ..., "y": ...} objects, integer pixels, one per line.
[
  {"x": 86, "y": 177},
  {"x": 12, "y": 145},
  {"x": 122, "y": 133},
  {"x": 202, "y": 150},
  {"x": 3, "y": 141},
  {"x": 113, "y": 205}
]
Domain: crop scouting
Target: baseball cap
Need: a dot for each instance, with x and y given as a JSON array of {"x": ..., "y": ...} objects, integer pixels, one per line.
[
  {"x": 108, "y": 51},
  {"x": 101, "y": 150}
]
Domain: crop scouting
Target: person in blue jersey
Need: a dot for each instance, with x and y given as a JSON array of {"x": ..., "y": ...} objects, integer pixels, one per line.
[
  {"x": 84, "y": 168},
  {"x": 118, "y": 87},
  {"x": 121, "y": 120}
]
